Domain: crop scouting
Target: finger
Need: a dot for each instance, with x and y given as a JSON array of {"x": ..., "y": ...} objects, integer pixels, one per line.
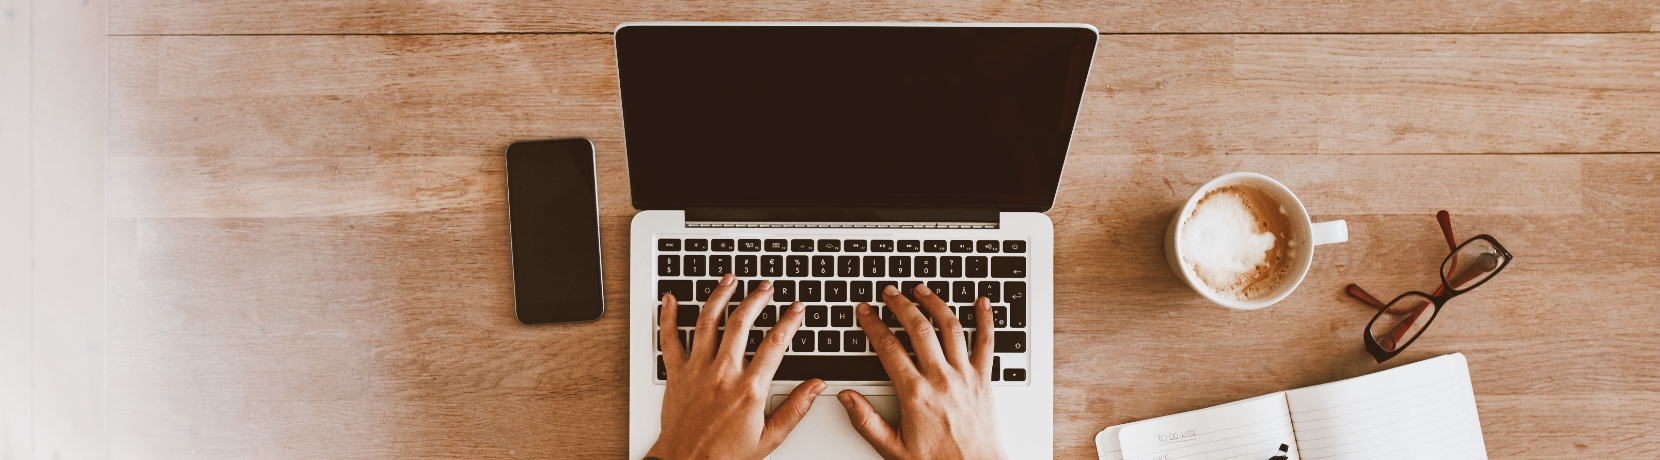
[
  {"x": 951, "y": 333},
  {"x": 928, "y": 356},
  {"x": 982, "y": 337},
  {"x": 674, "y": 352},
  {"x": 708, "y": 320},
  {"x": 870, "y": 425},
  {"x": 742, "y": 319},
  {"x": 887, "y": 347},
  {"x": 771, "y": 351},
  {"x": 789, "y": 413}
]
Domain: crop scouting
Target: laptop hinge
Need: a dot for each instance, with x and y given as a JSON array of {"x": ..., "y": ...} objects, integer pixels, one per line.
[{"x": 827, "y": 217}]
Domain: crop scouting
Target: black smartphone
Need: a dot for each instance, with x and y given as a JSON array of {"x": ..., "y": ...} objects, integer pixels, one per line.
[{"x": 553, "y": 216}]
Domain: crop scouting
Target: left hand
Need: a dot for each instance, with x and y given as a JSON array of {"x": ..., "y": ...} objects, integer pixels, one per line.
[{"x": 714, "y": 405}]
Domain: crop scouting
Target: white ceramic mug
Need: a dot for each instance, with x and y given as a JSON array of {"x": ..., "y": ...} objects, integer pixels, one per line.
[{"x": 1305, "y": 235}]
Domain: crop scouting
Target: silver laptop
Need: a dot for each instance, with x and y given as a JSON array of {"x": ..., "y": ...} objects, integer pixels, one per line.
[{"x": 834, "y": 159}]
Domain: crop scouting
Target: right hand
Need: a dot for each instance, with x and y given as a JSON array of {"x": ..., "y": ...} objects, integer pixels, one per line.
[{"x": 945, "y": 400}]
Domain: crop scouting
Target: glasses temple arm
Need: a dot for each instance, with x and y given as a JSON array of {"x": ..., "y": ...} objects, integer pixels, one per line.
[
  {"x": 1358, "y": 293},
  {"x": 1446, "y": 229},
  {"x": 1405, "y": 326}
]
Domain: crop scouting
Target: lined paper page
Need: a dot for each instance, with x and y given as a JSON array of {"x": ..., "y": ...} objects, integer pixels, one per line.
[
  {"x": 1106, "y": 444},
  {"x": 1253, "y": 429},
  {"x": 1423, "y": 410}
]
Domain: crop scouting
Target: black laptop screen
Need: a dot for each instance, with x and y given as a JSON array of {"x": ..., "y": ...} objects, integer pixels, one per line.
[{"x": 848, "y": 116}]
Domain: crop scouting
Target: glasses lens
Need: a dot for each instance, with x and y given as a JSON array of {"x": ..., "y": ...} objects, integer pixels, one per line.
[
  {"x": 1471, "y": 264},
  {"x": 1397, "y": 325}
]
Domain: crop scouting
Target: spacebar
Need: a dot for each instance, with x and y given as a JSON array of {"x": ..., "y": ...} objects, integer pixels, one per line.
[{"x": 846, "y": 368}]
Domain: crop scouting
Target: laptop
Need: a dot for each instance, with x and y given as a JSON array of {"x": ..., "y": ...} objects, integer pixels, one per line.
[{"x": 835, "y": 159}]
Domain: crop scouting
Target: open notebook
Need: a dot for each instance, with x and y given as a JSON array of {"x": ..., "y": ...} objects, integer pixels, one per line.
[{"x": 1423, "y": 410}]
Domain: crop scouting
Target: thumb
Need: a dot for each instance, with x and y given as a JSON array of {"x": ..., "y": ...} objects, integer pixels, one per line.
[
  {"x": 870, "y": 425},
  {"x": 789, "y": 413}
]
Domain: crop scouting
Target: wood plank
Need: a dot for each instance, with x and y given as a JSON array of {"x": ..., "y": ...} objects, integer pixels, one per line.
[
  {"x": 1224, "y": 16},
  {"x": 1223, "y": 94},
  {"x": 16, "y": 351}
]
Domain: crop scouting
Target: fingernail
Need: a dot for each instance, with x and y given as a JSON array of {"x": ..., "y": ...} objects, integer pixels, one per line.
[
  {"x": 922, "y": 290},
  {"x": 819, "y": 387},
  {"x": 796, "y": 306},
  {"x": 765, "y": 286},
  {"x": 845, "y": 399},
  {"x": 864, "y": 308},
  {"x": 890, "y": 290},
  {"x": 727, "y": 280}
]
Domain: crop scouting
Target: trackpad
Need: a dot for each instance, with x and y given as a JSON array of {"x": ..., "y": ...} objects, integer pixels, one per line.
[{"x": 826, "y": 433}]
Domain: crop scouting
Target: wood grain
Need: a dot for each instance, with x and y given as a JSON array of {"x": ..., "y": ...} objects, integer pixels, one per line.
[
  {"x": 1215, "y": 16},
  {"x": 308, "y": 246}
]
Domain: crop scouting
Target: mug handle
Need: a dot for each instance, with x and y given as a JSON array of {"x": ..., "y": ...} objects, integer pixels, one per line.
[{"x": 1336, "y": 231}]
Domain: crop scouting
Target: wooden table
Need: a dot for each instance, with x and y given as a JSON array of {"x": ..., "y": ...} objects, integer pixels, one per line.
[{"x": 308, "y": 252}]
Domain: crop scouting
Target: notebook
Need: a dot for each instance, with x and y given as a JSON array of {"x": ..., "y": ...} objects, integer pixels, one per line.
[{"x": 1423, "y": 410}]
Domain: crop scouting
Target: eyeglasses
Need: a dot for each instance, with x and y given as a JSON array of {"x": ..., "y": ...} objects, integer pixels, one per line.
[{"x": 1401, "y": 321}]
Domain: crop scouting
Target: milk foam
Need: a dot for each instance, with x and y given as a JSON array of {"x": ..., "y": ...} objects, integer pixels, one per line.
[{"x": 1236, "y": 241}]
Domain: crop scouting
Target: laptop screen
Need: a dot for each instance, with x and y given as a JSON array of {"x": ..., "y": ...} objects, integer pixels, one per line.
[{"x": 849, "y": 116}]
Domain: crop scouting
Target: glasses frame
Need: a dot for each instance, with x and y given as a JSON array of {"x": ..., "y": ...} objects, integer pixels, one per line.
[{"x": 1438, "y": 299}]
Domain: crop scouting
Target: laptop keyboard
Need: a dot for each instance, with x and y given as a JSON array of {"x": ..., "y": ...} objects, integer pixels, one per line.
[{"x": 832, "y": 275}]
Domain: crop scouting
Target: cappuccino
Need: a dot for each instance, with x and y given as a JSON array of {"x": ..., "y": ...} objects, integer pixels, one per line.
[{"x": 1237, "y": 241}]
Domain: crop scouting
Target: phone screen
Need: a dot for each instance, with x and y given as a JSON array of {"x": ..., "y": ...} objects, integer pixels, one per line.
[{"x": 553, "y": 215}]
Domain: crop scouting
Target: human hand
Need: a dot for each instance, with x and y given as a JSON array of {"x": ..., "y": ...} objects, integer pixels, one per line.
[
  {"x": 945, "y": 401},
  {"x": 715, "y": 401}
]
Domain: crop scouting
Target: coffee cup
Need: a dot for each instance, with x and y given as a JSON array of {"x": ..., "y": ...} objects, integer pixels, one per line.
[{"x": 1244, "y": 241}]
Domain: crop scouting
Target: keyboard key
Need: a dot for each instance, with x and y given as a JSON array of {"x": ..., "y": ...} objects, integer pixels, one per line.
[
  {"x": 910, "y": 246},
  {"x": 668, "y": 244},
  {"x": 725, "y": 245},
  {"x": 951, "y": 267},
  {"x": 777, "y": 244},
  {"x": 818, "y": 316},
  {"x": 989, "y": 290},
  {"x": 695, "y": 265},
  {"x": 831, "y": 368},
  {"x": 829, "y": 342},
  {"x": 905, "y": 341},
  {"x": 881, "y": 287},
  {"x": 889, "y": 319},
  {"x": 960, "y": 246},
  {"x": 1009, "y": 342},
  {"x": 668, "y": 265},
  {"x": 754, "y": 341},
  {"x": 801, "y": 245},
  {"x": 1008, "y": 267},
  {"x": 685, "y": 315},
  {"x": 829, "y": 245},
  {"x": 705, "y": 288},
  {"x": 909, "y": 289},
  {"x": 803, "y": 342},
  {"x": 986, "y": 246},
  {"x": 682, "y": 289},
  {"x": 1014, "y": 246},
  {"x": 934, "y": 246},
  {"x": 925, "y": 267},
  {"x": 875, "y": 266},
  {"x": 899, "y": 266},
  {"x": 749, "y": 245},
  {"x": 962, "y": 292},
  {"x": 796, "y": 266},
  {"x": 1000, "y": 317},
  {"x": 810, "y": 291},
  {"x": 996, "y": 368},
  {"x": 841, "y": 316},
  {"x": 854, "y": 245},
  {"x": 658, "y": 337},
  {"x": 738, "y": 291},
  {"x": 881, "y": 246},
  {"x": 720, "y": 265},
  {"x": 965, "y": 315},
  {"x": 824, "y": 266},
  {"x": 847, "y": 266},
  {"x": 1017, "y": 316},
  {"x": 853, "y": 341},
  {"x": 1014, "y": 375},
  {"x": 942, "y": 289},
  {"x": 697, "y": 245},
  {"x": 772, "y": 266},
  {"x": 746, "y": 266},
  {"x": 975, "y": 267},
  {"x": 783, "y": 291},
  {"x": 835, "y": 291},
  {"x": 1014, "y": 293},
  {"x": 686, "y": 339},
  {"x": 768, "y": 316},
  {"x": 662, "y": 371},
  {"x": 861, "y": 292}
]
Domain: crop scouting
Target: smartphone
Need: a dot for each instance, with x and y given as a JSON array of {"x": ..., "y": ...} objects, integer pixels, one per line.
[{"x": 553, "y": 216}]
